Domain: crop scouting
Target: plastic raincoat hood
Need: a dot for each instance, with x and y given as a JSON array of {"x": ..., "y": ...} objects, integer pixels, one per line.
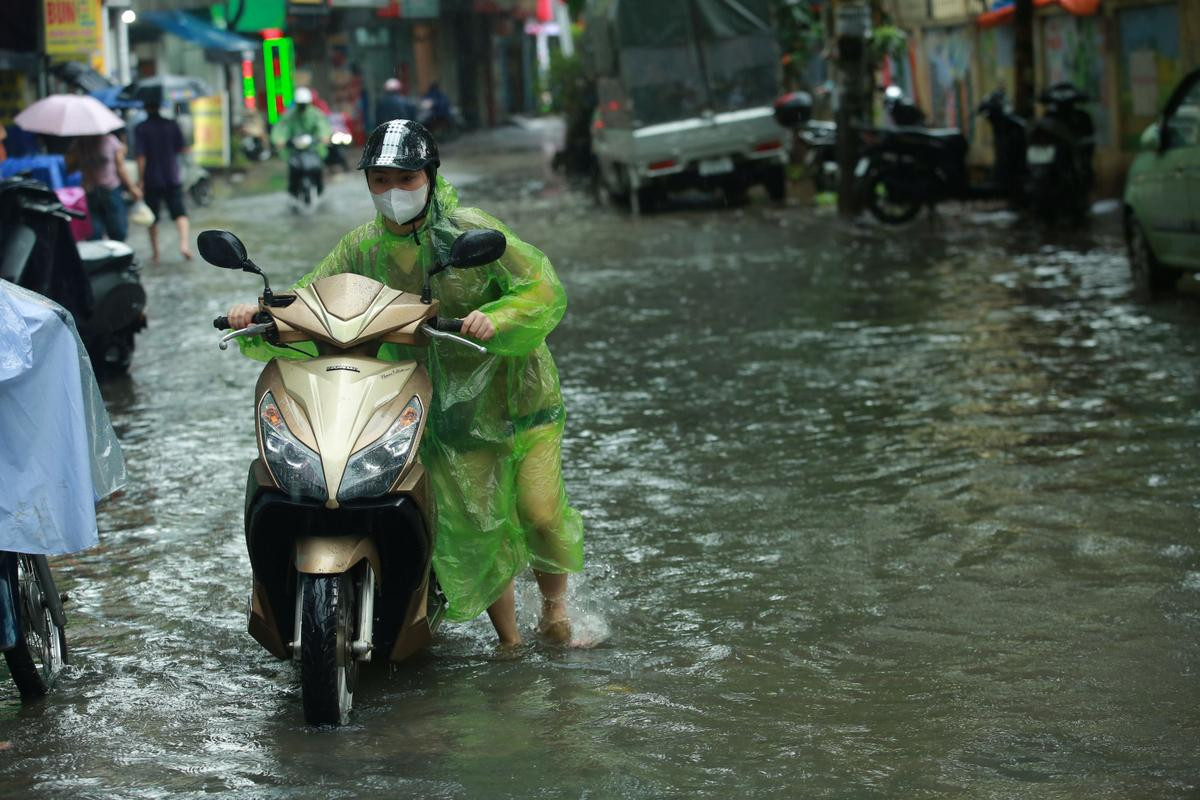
[{"x": 494, "y": 435}]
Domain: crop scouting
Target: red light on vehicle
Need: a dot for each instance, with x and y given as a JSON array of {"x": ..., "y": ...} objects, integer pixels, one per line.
[
  {"x": 613, "y": 105},
  {"x": 767, "y": 146},
  {"x": 662, "y": 165},
  {"x": 599, "y": 124}
]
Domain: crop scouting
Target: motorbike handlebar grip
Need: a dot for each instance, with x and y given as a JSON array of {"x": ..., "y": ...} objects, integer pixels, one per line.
[
  {"x": 449, "y": 325},
  {"x": 221, "y": 323}
]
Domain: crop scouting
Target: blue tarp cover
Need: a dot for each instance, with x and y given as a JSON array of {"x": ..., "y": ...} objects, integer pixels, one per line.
[{"x": 59, "y": 454}]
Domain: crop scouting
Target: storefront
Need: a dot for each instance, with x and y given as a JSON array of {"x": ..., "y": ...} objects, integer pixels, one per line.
[{"x": 1127, "y": 55}]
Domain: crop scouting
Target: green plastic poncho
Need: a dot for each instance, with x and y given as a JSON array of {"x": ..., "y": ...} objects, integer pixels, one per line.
[
  {"x": 295, "y": 121},
  {"x": 494, "y": 436}
]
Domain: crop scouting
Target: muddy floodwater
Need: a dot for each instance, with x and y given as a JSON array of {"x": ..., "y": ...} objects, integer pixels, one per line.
[{"x": 870, "y": 514}]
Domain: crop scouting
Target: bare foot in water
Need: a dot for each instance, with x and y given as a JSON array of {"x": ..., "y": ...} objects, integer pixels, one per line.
[
  {"x": 185, "y": 251},
  {"x": 555, "y": 625}
]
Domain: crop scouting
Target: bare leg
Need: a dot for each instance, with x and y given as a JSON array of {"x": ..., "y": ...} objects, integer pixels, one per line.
[
  {"x": 503, "y": 614},
  {"x": 554, "y": 624},
  {"x": 541, "y": 501},
  {"x": 184, "y": 245},
  {"x": 154, "y": 241}
]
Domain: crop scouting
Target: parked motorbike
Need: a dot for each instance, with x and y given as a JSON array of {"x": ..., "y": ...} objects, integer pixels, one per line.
[
  {"x": 98, "y": 282},
  {"x": 820, "y": 136},
  {"x": 32, "y": 623},
  {"x": 1062, "y": 144},
  {"x": 901, "y": 110},
  {"x": 339, "y": 509},
  {"x": 906, "y": 168},
  {"x": 196, "y": 179},
  {"x": 253, "y": 137},
  {"x": 446, "y": 123},
  {"x": 306, "y": 177}
]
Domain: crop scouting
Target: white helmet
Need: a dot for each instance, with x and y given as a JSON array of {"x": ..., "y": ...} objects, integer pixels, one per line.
[{"x": 303, "y": 96}]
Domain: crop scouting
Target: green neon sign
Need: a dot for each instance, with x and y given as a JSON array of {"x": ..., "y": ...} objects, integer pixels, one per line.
[{"x": 278, "y": 63}]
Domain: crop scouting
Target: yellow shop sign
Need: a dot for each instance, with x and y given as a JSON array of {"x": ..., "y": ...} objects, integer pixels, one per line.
[{"x": 74, "y": 30}]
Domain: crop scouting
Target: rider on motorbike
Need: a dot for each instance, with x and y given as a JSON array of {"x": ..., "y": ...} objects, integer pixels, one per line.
[
  {"x": 303, "y": 117},
  {"x": 494, "y": 447}
]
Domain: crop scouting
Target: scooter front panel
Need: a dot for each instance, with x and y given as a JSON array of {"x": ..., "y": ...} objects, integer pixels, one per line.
[{"x": 346, "y": 402}]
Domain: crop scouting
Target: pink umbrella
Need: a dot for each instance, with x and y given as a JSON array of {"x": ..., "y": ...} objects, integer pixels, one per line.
[{"x": 69, "y": 115}]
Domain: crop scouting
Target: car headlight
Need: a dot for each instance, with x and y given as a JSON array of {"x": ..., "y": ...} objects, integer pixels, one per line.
[
  {"x": 294, "y": 464},
  {"x": 373, "y": 470}
]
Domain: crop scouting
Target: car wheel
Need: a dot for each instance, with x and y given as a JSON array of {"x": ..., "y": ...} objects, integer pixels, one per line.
[{"x": 1148, "y": 273}]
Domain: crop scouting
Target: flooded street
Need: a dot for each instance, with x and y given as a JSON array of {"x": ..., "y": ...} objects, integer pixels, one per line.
[{"x": 870, "y": 513}]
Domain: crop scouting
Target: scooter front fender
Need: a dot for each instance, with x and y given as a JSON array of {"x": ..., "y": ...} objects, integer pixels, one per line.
[{"x": 327, "y": 555}]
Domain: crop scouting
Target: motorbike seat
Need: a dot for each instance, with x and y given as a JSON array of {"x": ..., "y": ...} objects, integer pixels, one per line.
[
  {"x": 104, "y": 254},
  {"x": 950, "y": 139}
]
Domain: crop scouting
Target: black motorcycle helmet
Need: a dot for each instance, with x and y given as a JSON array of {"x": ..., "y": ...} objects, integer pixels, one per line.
[{"x": 401, "y": 144}]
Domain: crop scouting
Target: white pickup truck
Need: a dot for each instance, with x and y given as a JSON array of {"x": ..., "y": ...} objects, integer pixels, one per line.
[{"x": 685, "y": 92}]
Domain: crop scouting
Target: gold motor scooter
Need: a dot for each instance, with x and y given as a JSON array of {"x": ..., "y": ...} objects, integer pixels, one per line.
[{"x": 340, "y": 518}]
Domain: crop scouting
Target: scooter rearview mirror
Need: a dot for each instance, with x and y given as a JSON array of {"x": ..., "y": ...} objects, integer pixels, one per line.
[
  {"x": 476, "y": 248},
  {"x": 223, "y": 249}
]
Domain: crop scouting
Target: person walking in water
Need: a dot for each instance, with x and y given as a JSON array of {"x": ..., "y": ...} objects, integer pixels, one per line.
[
  {"x": 101, "y": 160},
  {"x": 160, "y": 142}
]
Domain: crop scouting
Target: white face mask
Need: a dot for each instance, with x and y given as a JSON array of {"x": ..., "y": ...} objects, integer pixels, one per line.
[{"x": 401, "y": 205}]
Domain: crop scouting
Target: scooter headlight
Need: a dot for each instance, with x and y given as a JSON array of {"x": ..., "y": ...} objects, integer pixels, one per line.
[
  {"x": 295, "y": 466},
  {"x": 374, "y": 469}
]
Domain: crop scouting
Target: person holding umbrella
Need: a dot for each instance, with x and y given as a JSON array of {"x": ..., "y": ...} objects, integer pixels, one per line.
[{"x": 99, "y": 154}]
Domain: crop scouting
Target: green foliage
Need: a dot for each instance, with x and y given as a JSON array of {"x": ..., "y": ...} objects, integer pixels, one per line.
[
  {"x": 888, "y": 40},
  {"x": 801, "y": 31}
]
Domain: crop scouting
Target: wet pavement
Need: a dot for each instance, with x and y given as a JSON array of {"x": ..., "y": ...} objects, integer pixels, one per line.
[{"x": 870, "y": 514}]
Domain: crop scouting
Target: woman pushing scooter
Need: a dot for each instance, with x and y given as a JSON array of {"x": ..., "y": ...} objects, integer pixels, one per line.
[{"x": 493, "y": 446}]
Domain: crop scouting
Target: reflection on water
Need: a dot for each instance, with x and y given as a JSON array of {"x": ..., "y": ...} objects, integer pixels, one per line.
[{"x": 873, "y": 515}]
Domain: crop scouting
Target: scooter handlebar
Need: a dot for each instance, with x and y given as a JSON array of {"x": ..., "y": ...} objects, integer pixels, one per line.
[
  {"x": 222, "y": 323},
  {"x": 448, "y": 325}
]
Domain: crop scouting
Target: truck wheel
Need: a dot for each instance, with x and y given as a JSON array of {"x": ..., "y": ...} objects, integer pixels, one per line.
[
  {"x": 649, "y": 199},
  {"x": 606, "y": 193},
  {"x": 776, "y": 184},
  {"x": 735, "y": 193}
]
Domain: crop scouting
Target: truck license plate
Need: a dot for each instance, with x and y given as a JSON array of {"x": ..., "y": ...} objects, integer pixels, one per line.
[
  {"x": 861, "y": 167},
  {"x": 715, "y": 166},
  {"x": 1040, "y": 154}
]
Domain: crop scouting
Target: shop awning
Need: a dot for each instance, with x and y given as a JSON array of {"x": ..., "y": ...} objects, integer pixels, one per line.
[
  {"x": 224, "y": 45},
  {"x": 1082, "y": 8}
]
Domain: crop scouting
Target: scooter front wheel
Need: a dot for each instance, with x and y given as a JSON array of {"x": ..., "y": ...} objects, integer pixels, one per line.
[
  {"x": 202, "y": 192},
  {"x": 41, "y": 650},
  {"x": 328, "y": 670}
]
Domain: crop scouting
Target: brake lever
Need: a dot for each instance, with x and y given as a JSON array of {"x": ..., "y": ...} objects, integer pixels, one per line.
[
  {"x": 435, "y": 333},
  {"x": 250, "y": 330}
]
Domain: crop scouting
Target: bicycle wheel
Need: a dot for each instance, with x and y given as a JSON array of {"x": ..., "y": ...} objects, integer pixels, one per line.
[{"x": 41, "y": 650}]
